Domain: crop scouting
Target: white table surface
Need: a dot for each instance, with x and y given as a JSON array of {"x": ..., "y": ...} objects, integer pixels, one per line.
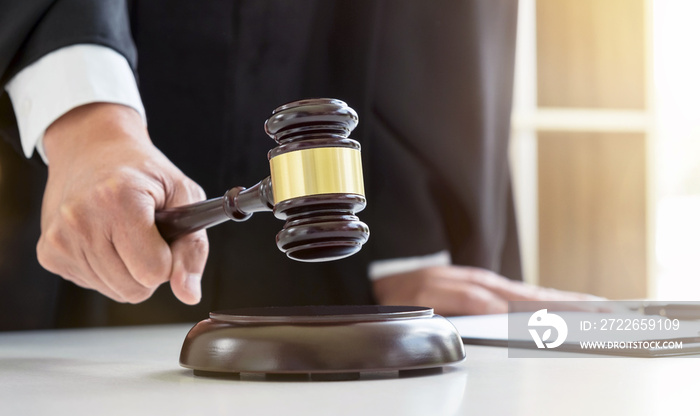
[{"x": 135, "y": 371}]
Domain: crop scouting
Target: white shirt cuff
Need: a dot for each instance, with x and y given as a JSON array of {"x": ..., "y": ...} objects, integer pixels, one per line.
[
  {"x": 65, "y": 79},
  {"x": 383, "y": 268}
]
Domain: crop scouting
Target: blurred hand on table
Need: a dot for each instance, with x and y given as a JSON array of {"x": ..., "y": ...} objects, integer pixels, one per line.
[{"x": 461, "y": 290}]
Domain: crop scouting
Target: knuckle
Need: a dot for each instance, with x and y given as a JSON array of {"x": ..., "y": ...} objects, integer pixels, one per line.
[
  {"x": 199, "y": 245},
  {"x": 71, "y": 215},
  {"x": 106, "y": 193},
  {"x": 47, "y": 262},
  {"x": 116, "y": 191},
  {"x": 152, "y": 277},
  {"x": 70, "y": 222},
  {"x": 137, "y": 294},
  {"x": 111, "y": 186},
  {"x": 196, "y": 192},
  {"x": 46, "y": 254},
  {"x": 52, "y": 239},
  {"x": 74, "y": 276}
]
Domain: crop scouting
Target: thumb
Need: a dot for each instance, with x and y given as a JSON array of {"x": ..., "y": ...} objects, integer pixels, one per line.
[
  {"x": 190, "y": 251},
  {"x": 189, "y": 254}
]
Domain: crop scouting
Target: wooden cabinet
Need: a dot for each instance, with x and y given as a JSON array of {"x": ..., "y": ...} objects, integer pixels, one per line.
[{"x": 592, "y": 179}]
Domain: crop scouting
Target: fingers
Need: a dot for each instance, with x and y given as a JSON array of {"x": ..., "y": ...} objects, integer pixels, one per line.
[
  {"x": 108, "y": 242},
  {"x": 106, "y": 268},
  {"x": 126, "y": 260},
  {"x": 100, "y": 268},
  {"x": 84, "y": 279}
]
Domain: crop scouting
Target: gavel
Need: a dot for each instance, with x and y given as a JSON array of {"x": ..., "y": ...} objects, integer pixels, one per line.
[{"x": 315, "y": 185}]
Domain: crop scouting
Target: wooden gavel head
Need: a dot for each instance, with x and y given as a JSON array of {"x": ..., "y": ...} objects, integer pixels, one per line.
[
  {"x": 315, "y": 184},
  {"x": 316, "y": 176}
]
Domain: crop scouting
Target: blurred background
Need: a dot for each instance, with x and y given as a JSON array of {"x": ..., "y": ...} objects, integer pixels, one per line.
[
  {"x": 606, "y": 146},
  {"x": 605, "y": 150}
]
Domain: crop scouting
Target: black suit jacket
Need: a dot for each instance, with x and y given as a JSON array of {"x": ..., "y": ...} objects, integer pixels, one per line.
[{"x": 431, "y": 82}]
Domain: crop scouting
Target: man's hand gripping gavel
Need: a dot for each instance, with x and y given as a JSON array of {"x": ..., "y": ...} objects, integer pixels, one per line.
[{"x": 109, "y": 187}]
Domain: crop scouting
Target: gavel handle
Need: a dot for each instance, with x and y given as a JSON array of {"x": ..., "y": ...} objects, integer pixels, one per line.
[
  {"x": 175, "y": 222},
  {"x": 238, "y": 204}
]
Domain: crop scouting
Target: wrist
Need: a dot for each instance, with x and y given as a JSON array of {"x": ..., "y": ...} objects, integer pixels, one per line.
[{"x": 91, "y": 124}]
